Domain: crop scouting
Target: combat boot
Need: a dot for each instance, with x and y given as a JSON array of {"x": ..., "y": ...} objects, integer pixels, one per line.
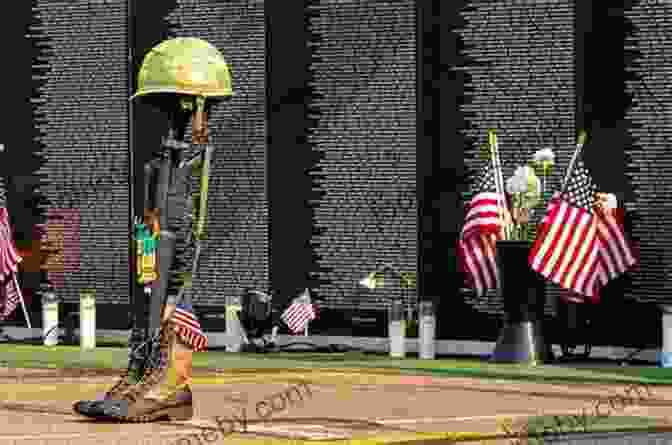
[
  {"x": 138, "y": 356},
  {"x": 165, "y": 389}
]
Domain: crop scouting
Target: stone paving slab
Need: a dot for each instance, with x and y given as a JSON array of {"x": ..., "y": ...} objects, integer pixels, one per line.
[{"x": 337, "y": 406}]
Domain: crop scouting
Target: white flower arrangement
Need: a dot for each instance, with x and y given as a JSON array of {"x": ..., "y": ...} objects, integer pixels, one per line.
[{"x": 525, "y": 190}]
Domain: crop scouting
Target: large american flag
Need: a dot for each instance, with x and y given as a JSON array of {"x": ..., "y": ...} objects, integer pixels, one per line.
[
  {"x": 481, "y": 230},
  {"x": 578, "y": 248},
  {"x": 10, "y": 292},
  {"x": 188, "y": 328},
  {"x": 299, "y": 313}
]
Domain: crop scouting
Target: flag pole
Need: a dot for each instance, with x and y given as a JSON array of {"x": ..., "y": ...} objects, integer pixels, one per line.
[
  {"x": 312, "y": 309},
  {"x": 579, "y": 147},
  {"x": 499, "y": 179},
  {"x": 23, "y": 304}
]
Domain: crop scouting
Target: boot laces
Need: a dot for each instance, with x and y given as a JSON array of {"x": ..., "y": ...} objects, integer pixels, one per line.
[
  {"x": 138, "y": 357},
  {"x": 156, "y": 361},
  {"x": 121, "y": 381}
]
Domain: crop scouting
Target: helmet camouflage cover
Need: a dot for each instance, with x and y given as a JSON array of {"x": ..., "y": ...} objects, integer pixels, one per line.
[{"x": 185, "y": 65}]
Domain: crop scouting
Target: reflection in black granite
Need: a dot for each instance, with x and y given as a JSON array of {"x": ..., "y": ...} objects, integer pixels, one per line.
[
  {"x": 80, "y": 110},
  {"x": 364, "y": 110},
  {"x": 519, "y": 59},
  {"x": 649, "y": 50},
  {"x": 235, "y": 252}
]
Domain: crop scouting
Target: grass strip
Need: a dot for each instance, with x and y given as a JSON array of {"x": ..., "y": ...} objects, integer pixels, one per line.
[{"x": 65, "y": 357}]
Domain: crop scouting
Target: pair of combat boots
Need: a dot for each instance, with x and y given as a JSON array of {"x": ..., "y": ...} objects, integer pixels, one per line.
[{"x": 155, "y": 386}]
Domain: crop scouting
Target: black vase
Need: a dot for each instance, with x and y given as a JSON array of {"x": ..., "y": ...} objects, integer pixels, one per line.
[{"x": 521, "y": 339}]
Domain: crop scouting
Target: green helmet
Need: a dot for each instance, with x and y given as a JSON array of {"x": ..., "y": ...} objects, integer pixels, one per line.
[{"x": 185, "y": 65}]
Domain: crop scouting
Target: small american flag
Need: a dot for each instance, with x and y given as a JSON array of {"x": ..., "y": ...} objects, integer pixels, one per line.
[
  {"x": 299, "y": 313},
  {"x": 577, "y": 248},
  {"x": 616, "y": 253},
  {"x": 188, "y": 328},
  {"x": 482, "y": 228},
  {"x": 10, "y": 292}
]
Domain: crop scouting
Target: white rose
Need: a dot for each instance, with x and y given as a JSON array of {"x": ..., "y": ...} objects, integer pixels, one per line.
[
  {"x": 527, "y": 184},
  {"x": 521, "y": 171},
  {"x": 516, "y": 184},
  {"x": 510, "y": 185},
  {"x": 544, "y": 155}
]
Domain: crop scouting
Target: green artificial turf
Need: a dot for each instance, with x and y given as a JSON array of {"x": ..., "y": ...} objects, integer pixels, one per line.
[
  {"x": 543, "y": 429},
  {"x": 32, "y": 356},
  {"x": 545, "y": 373},
  {"x": 59, "y": 357}
]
